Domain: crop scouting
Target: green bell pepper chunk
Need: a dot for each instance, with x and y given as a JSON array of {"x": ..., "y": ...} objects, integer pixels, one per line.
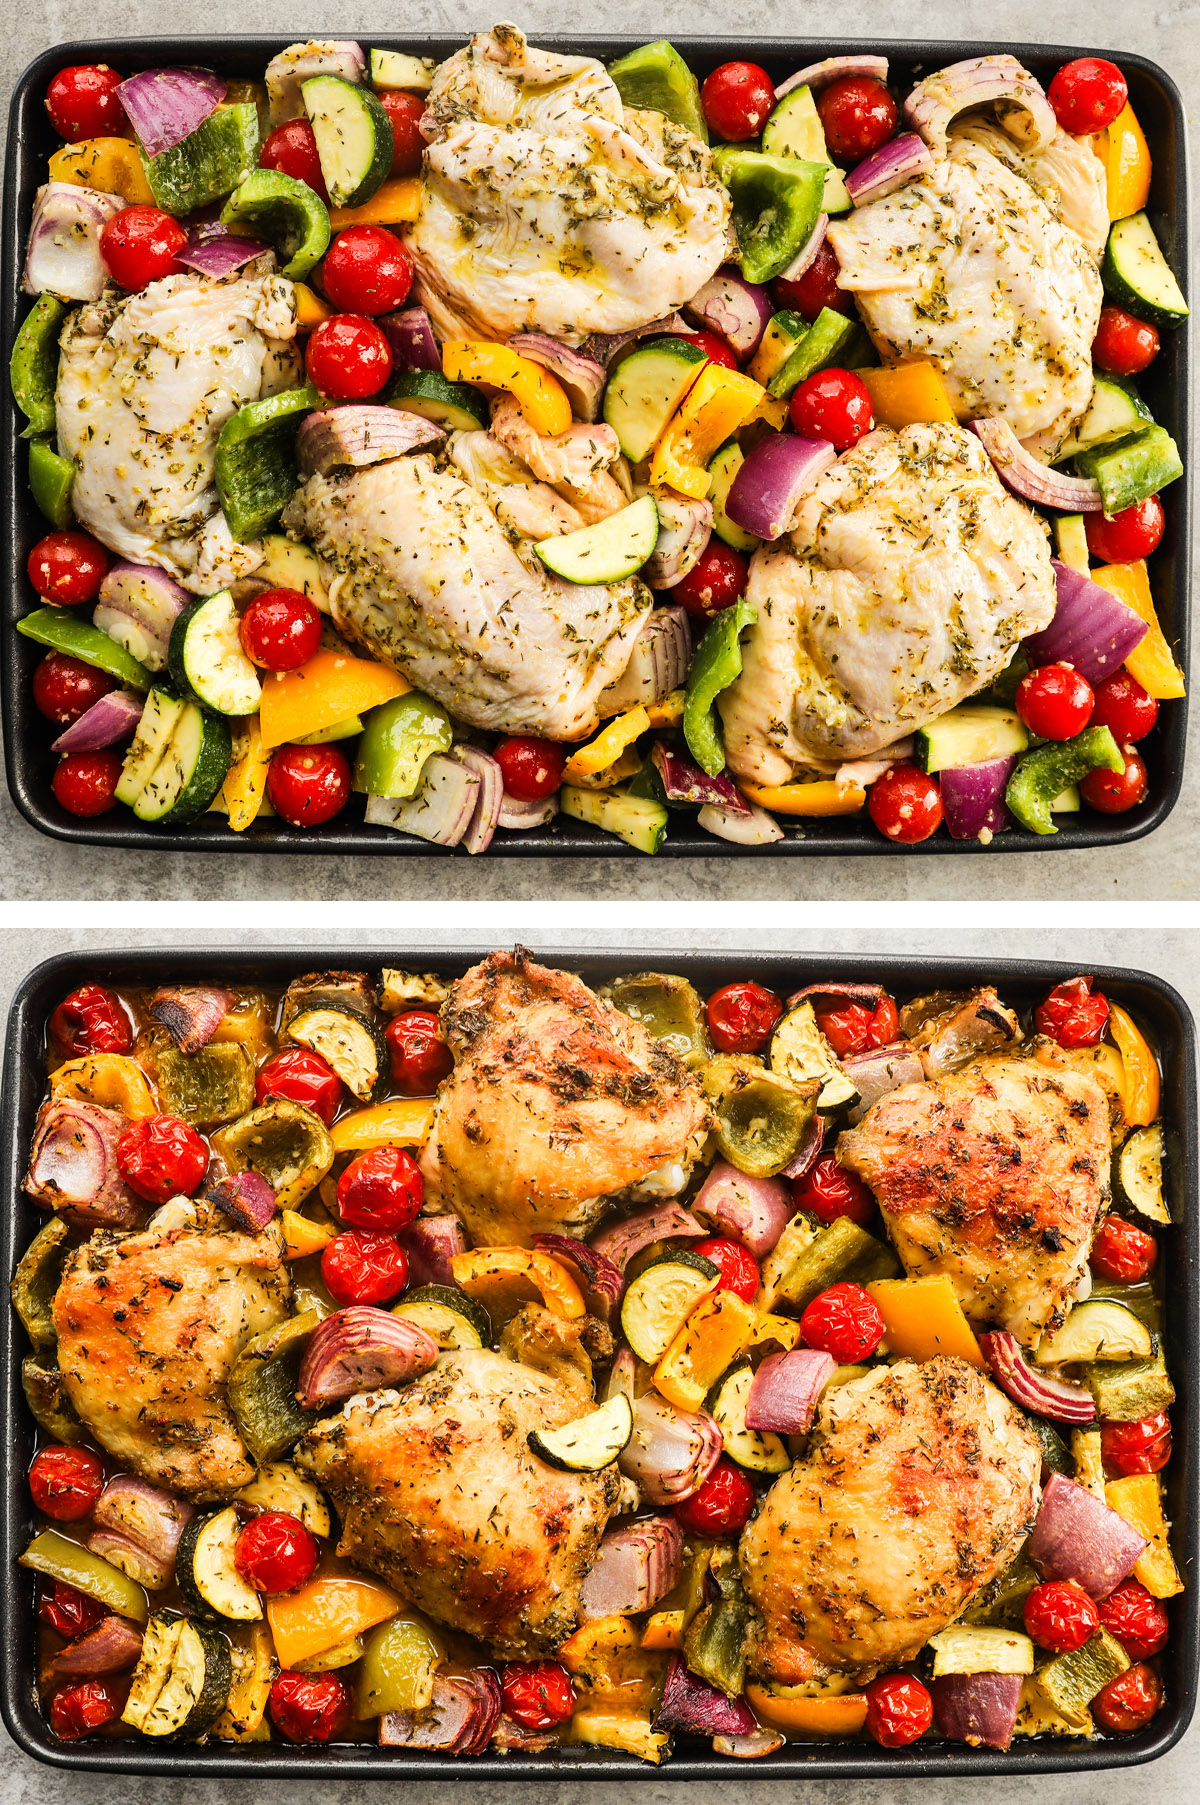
[
  {"x": 51, "y": 479},
  {"x": 209, "y": 163},
  {"x": 63, "y": 631},
  {"x": 33, "y": 367},
  {"x": 399, "y": 737},
  {"x": 776, "y": 201},
  {"x": 57, "y": 1558},
  {"x": 1043, "y": 774},
  {"x": 294, "y": 218},
  {"x": 655, "y": 78},
  {"x": 255, "y": 464},
  {"x": 822, "y": 343},
  {"x": 717, "y": 662}
]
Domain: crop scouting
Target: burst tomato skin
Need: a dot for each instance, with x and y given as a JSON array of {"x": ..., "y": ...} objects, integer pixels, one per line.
[
  {"x": 741, "y": 1017},
  {"x": 70, "y": 1613},
  {"x": 843, "y": 1321},
  {"x": 1141, "y": 1447},
  {"x": 381, "y": 1190},
  {"x": 292, "y": 150},
  {"x": 829, "y": 1191},
  {"x": 739, "y": 1268},
  {"x": 1115, "y": 792},
  {"x": 815, "y": 289},
  {"x": 162, "y": 1157},
  {"x": 274, "y": 1552},
  {"x": 64, "y": 688},
  {"x": 310, "y": 1707},
  {"x": 721, "y": 1506},
  {"x": 1073, "y": 1014},
  {"x": 906, "y": 805},
  {"x": 1123, "y": 345},
  {"x": 83, "y": 102},
  {"x": 1087, "y": 95},
  {"x": 1055, "y": 702},
  {"x": 65, "y": 1483},
  {"x": 1060, "y": 1616},
  {"x": 303, "y": 1077},
  {"x": 1122, "y": 1253},
  {"x": 85, "y": 783},
  {"x": 737, "y": 99},
  {"x": 858, "y": 115},
  {"x": 1136, "y": 1619},
  {"x": 420, "y": 1058},
  {"x": 714, "y": 582},
  {"x": 140, "y": 245},
  {"x": 308, "y": 785},
  {"x": 408, "y": 146},
  {"x": 899, "y": 1710},
  {"x": 537, "y": 1694},
  {"x": 532, "y": 768},
  {"x": 76, "y": 1711},
  {"x": 67, "y": 568},
  {"x": 91, "y": 1020},
  {"x": 348, "y": 358},
  {"x": 367, "y": 270},
  {"x": 362, "y": 1268},
  {"x": 1129, "y": 1701},
  {"x": 854, "y": 1028}
]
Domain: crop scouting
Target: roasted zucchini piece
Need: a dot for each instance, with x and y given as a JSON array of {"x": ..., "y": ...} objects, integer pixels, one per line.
[
  {"x": 206, "y": 1088},
  {"x": 796, "y": 1238},
  {"x": 841, "y": 1252},
  {"x": 590, "y": 1443},
  {"x": 351, "y": 990},
  {"x": 726, "y": 1404},
  {"x": 1126, "y": 1393},
  {"x": 287, "y": 1143},
  {"x": 36, "y": 1280},
  {"x": 252, "y": 1668},
  {"x": 1098, "y": 1329},
  {"x": 1138, "y": 1174},
  {"x": 660, "y": 1299},
  {"x": 668, "y": 1007},
  {"x": 975, "y": 1648},
  {"x": 182, "y": 1682},
  {"x": 349, "y": 1042},
  {"x": 761, "y": 1117},
  {"x": 262, "y": 1389},
  {"x": 205, "y": 1569},
  {"x": 1071, "y": 1681},
  {"x": 411, "y": 990},
  {"x": 800, "y": 1053},
  {"x": 51, "y": 1408},
  {"x": 449, "y": 1315},
  {"x": 278, "y": 1486}
]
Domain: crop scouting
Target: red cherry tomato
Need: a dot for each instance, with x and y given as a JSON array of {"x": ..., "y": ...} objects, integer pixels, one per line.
[
  {"x": 362, "y": 1268},
  {"x": 83, "y": 103},
  {"x": 274, "y": 1552},
  {"x": 408, "y": 146},
  {"x": 1129, "y": 1701},
  {"x": 292, "y": 150},
  {"x": 1115, "y": 792},
  {"x": 737, "y": 99},
  {"x": 65, "y": 688},
  {"x": 348, "y": 358},
  {"x": 1055, "y": 702},
  {"x": 1073, "y": 1014},
  {"x": 420, "y": 1058},
  {"x": 68, "y": 1613},
  {"x": 905, "y": 804},
  {"x": 714, "y": 582},
  {"x": 310, "y": 1707},
  {"x": 1122, "y": 1253},
  {"x": 381, "y": 1189},
  {"x": 85, "y": 783},
  {"x": 1087, "y": 95},
  {"x": 1132, "y": 534},
  {"x": 714, "y": 348},
  {"x": 76, "y": 1711},
  {"x": 1123, "y": 345},
  {"x": 1060, "y": 1616},
  {"x": 532, "y": 768},
  {"x": 303, "y": 1077},
  {"x": 858, "y": 114},
  {"x": 899, "y": 1710},
  {"x": 833, "y": 405},
  {"x": 537, "y": 1694},
  {"x": 91, "y": 1020},
  {"x": 65, "y": 1483},
  {"x": 67, "y": 568},
  {"x": 1136, "y": 1619},
  {"x": 721, "y": 1506},
  {"x": 309, "y": 785},
  {"x": 367, "y": 270},
  {"x": 741, "y": 1016},
  {"x": 855, "y": 1028},
  {"x": 829, "y": 1191},
  {"x": 1141, "y": 1447},
  {"x": 845, "y": 1322},
  {"x": 280, "y": 630},
  {"x": 816, "y": 288},
  {"x": 738, "y": 1267},
  {"x": 140, "y": 245},
  {"x": 162, "y": 1157},
  {"x": 1123, "y": 706}
]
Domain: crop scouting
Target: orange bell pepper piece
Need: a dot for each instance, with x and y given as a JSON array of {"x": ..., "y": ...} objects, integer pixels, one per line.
[
  {"x": 302, "y": 1237},
  {"x": 1126, "y": 158},
  {"x": 822, "y": 797},
  {"x": 1142, "y": 1083},
  {"x": 109, "y": 1079},
  {"x": 614, "y": 738},
  {"x": 329, "y": 688},
  {"x": 310, "y": 308},
  {"x": 1139, "y": 1500},
  {"x": 331, "y": 1609},
  {"x": 395, "y": 202},
  {"x": 664, "y": 1630},
  {"x": 906, "y": 394},
  {"x": 110, "y": 164},
  {"x": 1150, "y": 662},
  {"x": 504, "y": 1278},
  {"x": 668, "y": 712},
  {"x": 922, "y": 1317},
  {"x": 539, "y": 395},
  {"x": 718, "y": 1329},
  {"x": 785, "y": 1708},
  {"x": 718, "y": 402},
  {"x": 401, "y": 1122}
]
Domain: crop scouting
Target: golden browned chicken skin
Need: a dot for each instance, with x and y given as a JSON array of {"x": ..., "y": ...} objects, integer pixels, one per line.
[
  {"x": 994, "y": 1176},
  {"x": 919, "y": 1485},
  {"x": 557, "y": 1103}
]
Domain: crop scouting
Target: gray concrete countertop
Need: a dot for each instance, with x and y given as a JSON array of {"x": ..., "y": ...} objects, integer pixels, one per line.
[{"x": 1163, "y": 866}]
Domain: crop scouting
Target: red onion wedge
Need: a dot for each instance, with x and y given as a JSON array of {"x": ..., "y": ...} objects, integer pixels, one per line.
[
  {"x": 358, "y": 1349},
  {"x": 318, "y": 56},
  {"x": 488, "y": 798},
  {"x": 191, "y": 1013},
  {"x": 736, "y": 310},
  {"x": 219, "y": 253},
  {"x": 672, "y": 1452},
  {"x": 1091, "y": 629},
  {"x": 973, "y": 798},
  {"x": 887, "y": 169},
  {"x": 1077, "y": 1537},
  {"x": 1021, "y": 472},
  {"x": 63, "y": 257},
  {"x": 749, "y": 1747},
  {"x": 430, "y": 1244},
  {"x": 73, "y": 1165},
  {"x": 665, "y": 1222},
  {"x": 582, "y": 376},
  {"x": 808, "y": 1152},
  {"x": 138, "y": 606},
  {"x": 684, "y": 529},
  {"x": 461, "y": 1718},
  {"x": 686, "y": 783},
  {"x": 359, "y": 435},
  {"x": 1054, "y": 1399},
  {"x": 137, "y": 1526},
  {"x": 246, "y": 1198},
  {"x": 600, "y": 1281},
  {"x": 806, "y": 255},
  {"x": 518, "y": 816},
  {"x": 879, "y": 1071},
  {"x": 657, "y": 664},
  {"x": 754, "y": 828},
  {"x": 693, "y": 1706},
  {"x": 410, "y": 334},
  {"x": 1022, "y": 109},
  {"x": 753, "y": 1211},
  {"x": 634, "y": 1569},
  {"x": 819, "y": 75},
  {"x": 977, "y": 1708},
  {"x": 773, "y": 480},
  {"x": 165, "y": 106},
  {"x": 786, "y": 1389},
  {"x": 107, "y": 722},
  {"x": 442, "y": 809},
  {"x": 835, "y": 995},
  {"x": 112, "y": 1647}
]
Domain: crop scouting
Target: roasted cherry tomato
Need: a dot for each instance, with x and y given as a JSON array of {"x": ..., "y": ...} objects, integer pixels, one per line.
[
  {"x": 1123, "y": 345},
  {"x": 739, "y": 1268},
  {"x": 1115, "y": 792},
  {"x": 362, "y": 1268},
  {"x": 1141, "y": 1447},
  {"x": 537, "y": 1694},
  {"x": 1132, "y": 534},
  {"x": 309, "y": 785},
  {"x": 899, "y": 1710},
  {"x": 1129, "y": 1701},
  {"x": 70, "y": 1613},
  {"x": 815, "y": 289},
  {"x": 83, "y": 103},
  {"x": 856, "y": 1028},
  {"x": 532, "y": 768},
  {"x": 367, "y": 270},
  {"x": 78, "y": 1710},
  {"x": 833, "y": 405},
  {"x": 858, "y": 115},
  {"x": 91, "y": 1020},
  {"x": 420, "y": 1058},
  {"x": 65, "y": 688},
  {"x": 85, "y": 783},
  {"x": 303, "y": 1077},
  {"x": 1136, "y": 1619},
  {"x": 738, "y": 99},
  {"x": 280, "y": 630},
  {"x": 381, "y": 1190},
  {"x": 274, "y": 1552},
  {"x": 292, "y": 150},
  {"x": 845, "y": 1322},
  {"x": 714, "y": 582},
  {"x": 162, "y": 1157},
  {"x": 310, "y": 1707},
  {"x": 905, "y": 804},
  {"x": 1123, "y": 1253},
  {"x": 1073, "y": 1014},
  {"x": 65, "y": 1483},
  {"x": 405, "y": 110},
  {"x": 829, "y": 1191},
  {"x": 1087, "y": 95},
  {"x": 714, "y": 348},
  {"x": 1060, "y": 1616},
  {"x": 67, "y": 568},
  {"x": 721, "y": 1506},
  {"x": 1055, "y": 702},
  {"x": 348, "y": 357},
  {"x": 140, "y": 245},
  {"x": 741, "y": 1017},
  {"x": 1123, "y": 706}
]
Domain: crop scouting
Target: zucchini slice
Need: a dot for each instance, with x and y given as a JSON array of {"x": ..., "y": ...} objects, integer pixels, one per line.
[
  {"x": 761, "y": 1117},
  {"x": 160, "y": 717},
  {"x": 800, "y": 1053},
  {"x": 262, "y": 1388},
  {"x": 1099, "y": 1329},
  {"x": 328, "y": 989},
  {"x": 841, "y": 1252},
  {"x": 977, "y": 1648},
  {"x": 662, "y": 1297},
  {"x": 206, "y": 660},
  {"x": 1136, "y": 273},
  {"x": 206, "y": 1088},
  {"x": 37, "y": 1279},
  {"x": 191, "y": 770},
  {"x": 751, "y": 1449},
  {"x": 181, "y": 1683},
  {"x": 287, "y": 1143},
  {"x": 278, "y": 1486},
  {"x": 590, "y": 1443},
  {"x": 1071, "y": 1681},
  {"x": 205, "y": 1569},
  {"x": 456, "y": 406},
  {"x": 1138, "y": 1174},
  {"x": 450, "y": 1316},
  {"x": 609, "y": 550},
  {"x": 351, "y": 1044},
  {"x": 354, "y": 137}
]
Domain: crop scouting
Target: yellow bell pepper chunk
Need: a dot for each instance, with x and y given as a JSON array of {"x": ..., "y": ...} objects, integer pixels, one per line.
[
  {"x": 109, "y": 1079},
  {"x": 907, "y": 394},
  {"x": 540, "y": 396},
  {"x": 329, "y": 1610},
  {"x": 310, "y": 308},
  {"x": 628, "y": 765},
  {"x": 110, "y": 164},
  {"x": 329, "y": 688},
  {"x": 923, "y": 1317},
  {"x": 401, "y": 1122},
  {"x": 775, "y": 1332},
  {"x": 245, "y": 788},
  {"x": 1151, "y": 662},
  {"x": 791, "y": 1708},
  {"x": 504, "y": 1278},
  {"x": 718, "y": 402},
  {"x": 607, "y": 747},
  {"x": 1142, "y": 1083},
  {"x": 822, "y": 797},
  {"x": 302, "y": 1237},
  {"x": 1126, "y": 158},
  {"x": 1139, "y": 1500},
  {"x": 773, "y": 411},
  {"x": 611, "y": 1665},
  {"x": 668, "y": 712},
  {"x": 717, "y": 1331},
  {"x": 395, "y": 202}
]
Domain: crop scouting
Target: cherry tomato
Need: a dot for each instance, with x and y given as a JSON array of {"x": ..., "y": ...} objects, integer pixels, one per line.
[
  {"x": 905, "y": 804},
  {"x": 1115, "y": 792},
  {"x": 309, "y": 785},
  {"x": 843, "y": 1321},
  {"x": 420, "y": 1058},
  {"x": 310, "y": 1707},
  {"x": 714, "y": 348},
  {"x": 1132, "y": 534},
  {"x": 292, "y": 150},
  {"x": 83, "y": 102},
  {"x": 367, "y": 270},
  {"x": 737, "y": 98},
  {"x": 714, "y": 582},
  {"x": 833, "y": 405},
  {"x": 65, "y": 1483},
  {"x": 408, "y": 146},
  {"x": 1073, "y": 1014},
  {"x": 1060, "y": 1616},
  {"x": 1136, "y": 1619},
  {"x": 303, "y": 1077},
  {"x": 1123, "y": 1253},
  {"x": 65, "y": 688},
  {"x": 1055, "y": 702},
  {"x": 738, "y": 1267},
  {"x": 362, "y": 1268},
  {"x": 829, "y": 1191},
  {"x": 274, "y": 1552},
  {"x": 532, "y": 768},
  {"x": 855, "y": 1028},
  {"x": 537, "y": 1694},
  {"x": 280, "y": 630},
  {"x": 348, "y": 358},
  {"x": 76, "y": 1711},
  {"x": 1123, "y": 345},
  {"x": 381, "y": 1190},
  {"x": 1087, "y": 95},
  {"x": 741, "y": 1016},
  {"x": 721, "y": 1506},
  {"x": 1123, "y": 706},
  {"x": 162, "y": 1157},
  {"x": 67, "y": 568},
  {"x": 816, "y": 288},
  {"x": 1129, "y": 1701},
  {"x": 91, "y": 1020},
  {"x": 69, "y": 1613},
  {"x": 899, "y": 1710},
  {"x": 1141, "y": 1447},
  {"x": 85, "y": 783},
  {"x": 140, "y": 245},
  {"x": 858, "y": 114}
]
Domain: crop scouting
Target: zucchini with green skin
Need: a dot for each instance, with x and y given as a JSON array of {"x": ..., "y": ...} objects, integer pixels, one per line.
[
  {"x": 262, "y": 1389},
  {"x": 282, "y": 1140},
  {"x": 1003, "y": 1601},
  {"x": 252, "y": 1669},
  {"x": 354, "y": 137},
  {"x": 753, "y": 1449},
  {"x": 37, "y": 1279},
  {"x": 607, "y": 552},
  {"x": 255, "y": 463},
  {"x": 645, "y": 389},
  {"x": 394, "y": 69},
  {"x": 1137, "y": 1175},
  {"x": 206, "y": 659},
  {"x": 1097, "y": 1329},
  {"x": 1136, "y": 273},
  {"x": 205, "y": 1570},
  {"x": 800, "y": 1053},
  {"x": 278, "y": 1486},
  {"x": 660, "y": 1299},
  {"x": 1127, "y": 1392},
  {"x": 794, "y": 129},
  {"x": 33, "y": 367},
  {"x": 976, "y": 1648},
  {"x": 350, "y": 1043},
  {"x": 971, "y": 734},
  {"x": 191, "y": 770},
  {"x": 160, "y": 717},
  {"x": 449, "y": 1315},
  {"x": 207, "y": 1088},
  {"x": 181, "y": 1684},
  {"x": 589, "y": 1444},
  {"x": 784, "y": 334},
  {"x": 721, "y": 473},
  {"x": 454, "y": 406},
  {"x": 638, "y": 821},
  {"x": 1115, "y": 409},
  {"x": 1129, "y": 470},
  {"x": 1056, "y": 1457}
]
